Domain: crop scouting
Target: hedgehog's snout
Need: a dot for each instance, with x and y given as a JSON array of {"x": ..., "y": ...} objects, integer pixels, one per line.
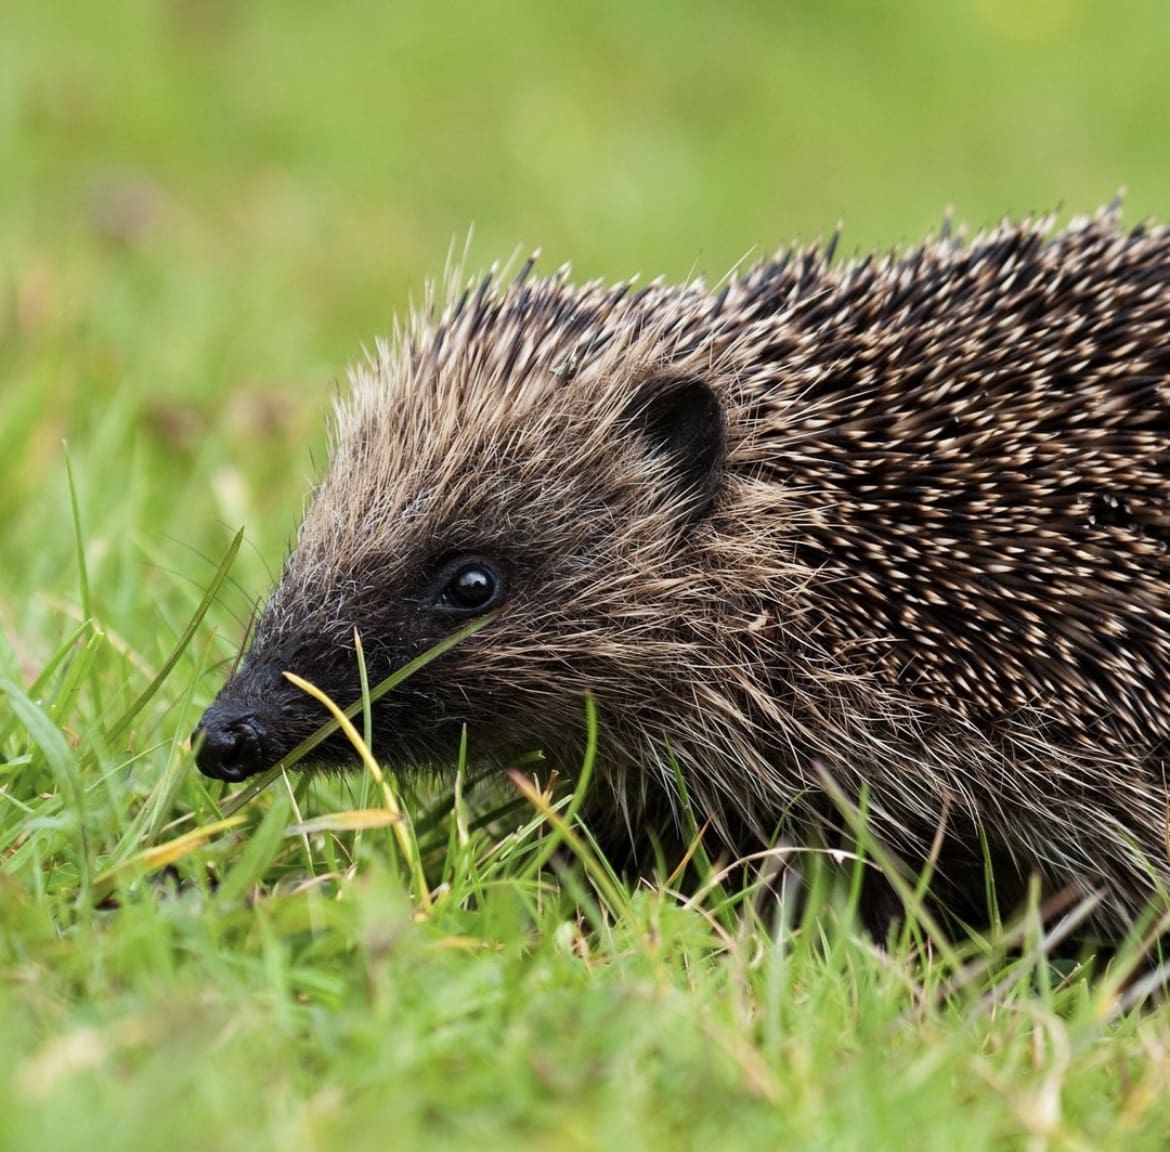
[{"x": 229, "y": 744}]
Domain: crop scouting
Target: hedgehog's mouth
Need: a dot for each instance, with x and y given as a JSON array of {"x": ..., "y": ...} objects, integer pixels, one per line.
[{"x": 236, "y": 740}]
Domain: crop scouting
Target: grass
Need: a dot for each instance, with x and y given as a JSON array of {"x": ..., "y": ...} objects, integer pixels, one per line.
[{"x": 205, "y": 210}]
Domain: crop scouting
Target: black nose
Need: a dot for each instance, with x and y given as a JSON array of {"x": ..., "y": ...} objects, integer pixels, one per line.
[{"x": 232, "y": 747}]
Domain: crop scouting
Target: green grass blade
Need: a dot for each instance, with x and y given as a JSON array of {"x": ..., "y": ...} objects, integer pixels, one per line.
[{"x": 122, "y": 726}]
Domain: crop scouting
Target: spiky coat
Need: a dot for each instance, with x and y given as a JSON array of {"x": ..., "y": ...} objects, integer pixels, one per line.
[{"x": 901, "y": 521}]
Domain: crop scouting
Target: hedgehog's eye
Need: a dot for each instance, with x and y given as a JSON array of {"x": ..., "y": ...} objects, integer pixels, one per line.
[{"x": 473, "y": 587}]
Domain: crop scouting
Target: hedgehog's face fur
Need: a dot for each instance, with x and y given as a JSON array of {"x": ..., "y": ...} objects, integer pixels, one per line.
[{"x": 468, "y": 475}]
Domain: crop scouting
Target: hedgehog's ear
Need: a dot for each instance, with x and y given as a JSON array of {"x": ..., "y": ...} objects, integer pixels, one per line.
[{"x": 682, "y": 418}]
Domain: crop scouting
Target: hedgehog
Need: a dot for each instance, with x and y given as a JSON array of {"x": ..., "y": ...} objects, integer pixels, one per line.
[{"x": 887, "y": 530}]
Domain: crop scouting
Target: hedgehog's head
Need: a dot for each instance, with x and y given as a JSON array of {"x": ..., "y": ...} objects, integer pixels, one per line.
[{"x": 548, "y": 454}]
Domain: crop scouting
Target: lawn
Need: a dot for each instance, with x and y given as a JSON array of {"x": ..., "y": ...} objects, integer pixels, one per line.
[{"x": 207, "y": 209}]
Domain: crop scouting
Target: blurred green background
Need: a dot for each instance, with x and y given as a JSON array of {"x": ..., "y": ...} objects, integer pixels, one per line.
[{"x": 207, "y": 207}]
